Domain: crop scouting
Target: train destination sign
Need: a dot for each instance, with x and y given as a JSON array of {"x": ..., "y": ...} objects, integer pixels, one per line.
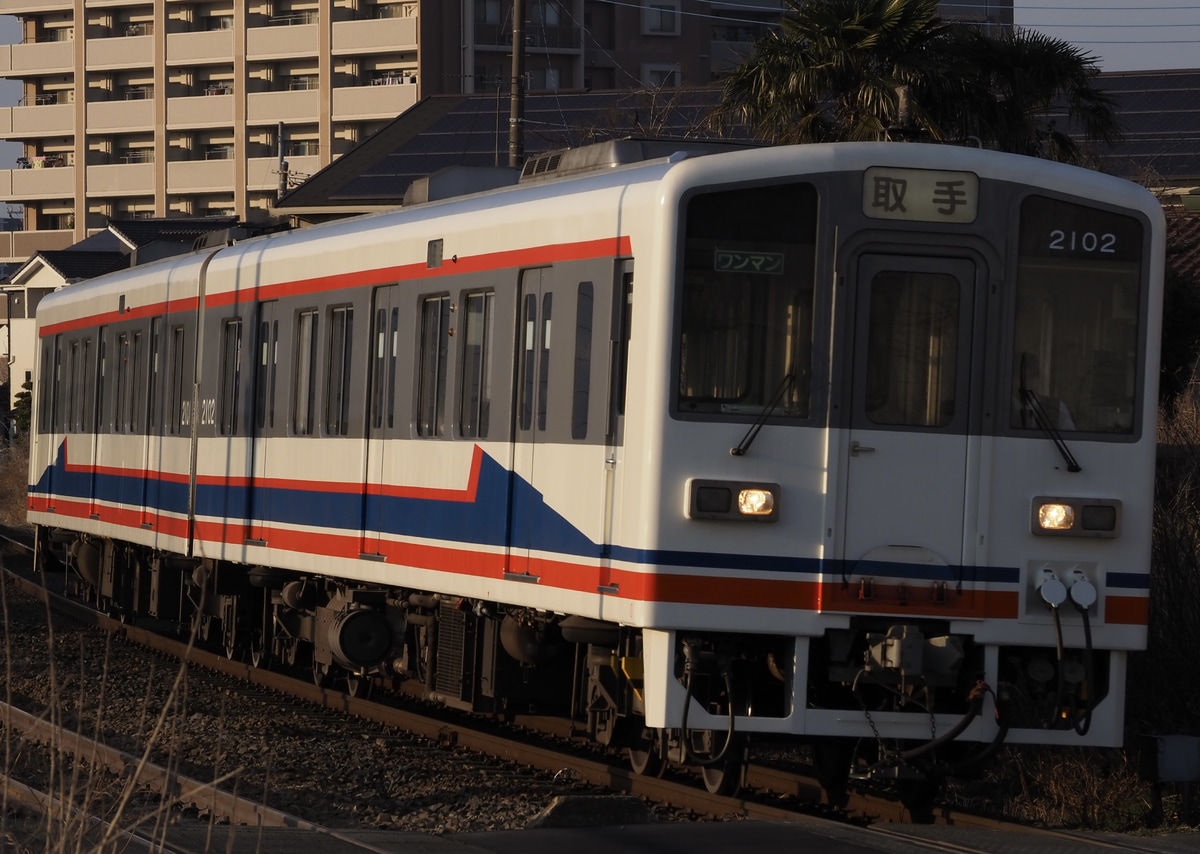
[{"x": 920, "y": 195}]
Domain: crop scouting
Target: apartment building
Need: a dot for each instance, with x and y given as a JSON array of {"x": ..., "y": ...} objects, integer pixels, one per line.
[{"x": 139, "y": 108}]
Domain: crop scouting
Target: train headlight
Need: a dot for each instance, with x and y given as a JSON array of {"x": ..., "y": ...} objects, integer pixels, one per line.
[
  {"x": 1055, "y": 516},
  {"x": 732, "y": 500},
  {"x": 756, "y": 501}
]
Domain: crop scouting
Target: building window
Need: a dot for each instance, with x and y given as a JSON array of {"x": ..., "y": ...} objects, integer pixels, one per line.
[
  {"x": 660, "y": 18},
  {"x": 660, "y": 76}
]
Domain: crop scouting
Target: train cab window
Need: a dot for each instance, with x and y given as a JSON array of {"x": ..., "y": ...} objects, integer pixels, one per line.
[
  {"x": 1077, "y": 319},
  {"x": 303, "y": 391},
  {"x": 475, "y": 386},
  {"x": 337, "y": 379},
  {"x": 543, "y": 394},
  {"x": 231, "y": 376},
  {"x": 73, "y": 387},
  {"x": 431, "y": 366},
  {"x": 383, "y": 367},
  {"x": 745, "y": 329}
]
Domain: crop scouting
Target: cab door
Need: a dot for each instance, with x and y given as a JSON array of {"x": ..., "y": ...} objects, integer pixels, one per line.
[{"x": 908, "y": 466}]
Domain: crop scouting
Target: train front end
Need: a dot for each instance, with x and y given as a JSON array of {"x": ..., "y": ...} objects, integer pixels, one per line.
[{"x": 906, "y": 450}]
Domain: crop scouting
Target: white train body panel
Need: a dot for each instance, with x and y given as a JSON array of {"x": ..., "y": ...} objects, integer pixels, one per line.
[{"x": 884, "y": 516}]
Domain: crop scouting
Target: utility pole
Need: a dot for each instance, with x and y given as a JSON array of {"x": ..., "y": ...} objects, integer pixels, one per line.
[{"x": 516, "y": 116}]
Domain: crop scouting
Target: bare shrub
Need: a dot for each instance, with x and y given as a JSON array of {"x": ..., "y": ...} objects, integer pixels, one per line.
[{"x": 14, "y": 476}]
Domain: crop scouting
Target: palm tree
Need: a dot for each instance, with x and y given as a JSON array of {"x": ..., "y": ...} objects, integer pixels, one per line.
[{"x": 892, "y": 69}]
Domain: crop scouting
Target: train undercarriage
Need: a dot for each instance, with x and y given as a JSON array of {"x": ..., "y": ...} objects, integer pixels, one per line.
[{"x": 503, "y": 661}]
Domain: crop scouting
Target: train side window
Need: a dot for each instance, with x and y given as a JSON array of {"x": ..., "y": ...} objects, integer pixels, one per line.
[
  {"x": 431, "y": 366},
  {"x": 154, "y": 388},
  {"x": 583, "y": 360},
  {"x": 121, "y": 386},
  {"x": 475, "y": 385},
  {"x": 87, "y": 388},
  {"x": 528, "y": 342},
  {"x": 231, "y": 376},
  {"x": 102, "y": 380},
  {"x": 304, "y": 395},
  {"x": 337, "y": 381},
  {"x": 266, "y": 369},
  {"x": 138, "y": 366},
  {"x": 544, "y": 361},
  {"x": 48, "y": 386},
  {"x": 383, "y": 368},
  {"x": 71, "y": 392},
  {"x": 178, "y": 406}
]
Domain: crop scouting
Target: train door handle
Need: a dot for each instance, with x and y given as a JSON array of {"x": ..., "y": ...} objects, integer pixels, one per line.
[{"x": 856, "y": 449}]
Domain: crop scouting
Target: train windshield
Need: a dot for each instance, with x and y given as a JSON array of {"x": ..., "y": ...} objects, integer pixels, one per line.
[
  {"x": 1075, "y": 336},
  {"x": 745, "y": 338}
]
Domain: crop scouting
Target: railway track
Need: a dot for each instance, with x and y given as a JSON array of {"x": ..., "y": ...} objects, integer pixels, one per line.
[{"x": 772, "y": 793}]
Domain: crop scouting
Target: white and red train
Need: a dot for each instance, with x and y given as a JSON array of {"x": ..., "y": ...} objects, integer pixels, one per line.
[{"x": 835, "y": 442}]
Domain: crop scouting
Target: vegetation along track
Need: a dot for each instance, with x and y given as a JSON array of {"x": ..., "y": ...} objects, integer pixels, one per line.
[{"x": 771, "y": 792}]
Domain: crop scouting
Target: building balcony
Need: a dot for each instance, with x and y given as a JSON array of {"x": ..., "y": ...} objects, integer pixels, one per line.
[
  {"x": 123, "y": 52},
  {"x": 211, "y": 47},
  {"x": 262, "y": 173},
  {"x": 120, "y": 179},
  {"x": 271, "y": 107},
  {"x": 20, "y": 185},
  {"x": 114, "y": 116},
  {"x": 200, "y": 176},
  {"x": 37, "y": 58},
  {"x": 362, "y": 103},
  {"x": 27, "y": 122},
  {"x": 200, "y": 111},
  {"x": 33, "y": 7},
  {"x": 264, "y": 43},
  {"x": 549, "y": 38},
  {"x": 26, "y": 244},
  {"x": 382, "y": 35}
]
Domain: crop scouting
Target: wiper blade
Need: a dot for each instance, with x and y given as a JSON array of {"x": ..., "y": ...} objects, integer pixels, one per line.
[
  {"x": 1029, "y": 399},
  {"x": 768, "y": 410}
]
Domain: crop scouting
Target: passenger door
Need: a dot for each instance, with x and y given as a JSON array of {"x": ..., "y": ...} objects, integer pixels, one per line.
[
  {"x": 561, "y": 468},
  {"x": 265, "y": 360},
  {"x": 381, "y": 411}
]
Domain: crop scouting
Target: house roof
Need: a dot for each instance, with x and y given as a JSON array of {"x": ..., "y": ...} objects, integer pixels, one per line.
[
  {"x": 472, "y": 130},
  {"x": 142, "y": 232},
  {"x": 74, "y": 265}
]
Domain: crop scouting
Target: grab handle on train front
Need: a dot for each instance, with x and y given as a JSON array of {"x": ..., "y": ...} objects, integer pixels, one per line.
[{"x": 856, "y": 449}]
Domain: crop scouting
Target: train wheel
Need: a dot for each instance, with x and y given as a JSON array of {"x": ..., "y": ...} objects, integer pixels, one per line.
[
  {"x": 645, "y": 752},
  {"x": 725, "y": 777},
  {"x": 320, "y": 674},
  {"x": 259, "y": 655},
  {"x": 358, "y": 685}
]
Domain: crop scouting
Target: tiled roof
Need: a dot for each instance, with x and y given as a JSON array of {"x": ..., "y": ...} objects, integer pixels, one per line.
[
  {"x": 74, "y": 265},
  {"x": 142, "y": 232},
  {"x": 472, "y": 130}
]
